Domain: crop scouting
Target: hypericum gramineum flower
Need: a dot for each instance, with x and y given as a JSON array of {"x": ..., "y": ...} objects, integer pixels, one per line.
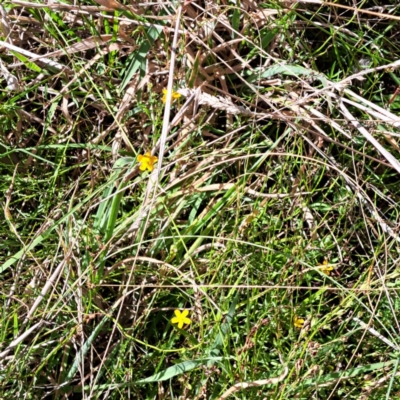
[
  {"x": 175, "y": 95},
  {"x": 147, "y": 161},
  {"x": 298, "y": 322},
  {"x": 326, "y": 268},
  {"x": 181, "y": 318}
]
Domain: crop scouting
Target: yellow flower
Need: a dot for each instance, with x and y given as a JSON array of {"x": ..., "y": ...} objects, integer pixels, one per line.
[
  {"x": 326, "y": 268},
  {"x": 298, "y": 322},
  {"x": 175, "y": 95},
  {"x": 181, "y": 318},
  {"x": 147, "y": 161}
]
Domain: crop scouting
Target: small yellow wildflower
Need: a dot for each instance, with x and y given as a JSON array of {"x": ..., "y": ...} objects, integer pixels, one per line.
[
  {"x": 181, "y": 318},
  {"x": 147, "y": 161},
  {"x": 326, "y": 268},
  {"x": 175, "y": 95},
  {"x": 298, "y": 322}
]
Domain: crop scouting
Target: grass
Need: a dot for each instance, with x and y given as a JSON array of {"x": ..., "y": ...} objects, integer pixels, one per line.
[{"x": 273, "y": 219}]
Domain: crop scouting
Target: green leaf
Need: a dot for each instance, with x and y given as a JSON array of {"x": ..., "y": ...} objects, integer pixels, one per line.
[
  {"x": 139, "y": 59},
  {"x": 350, "y": 373},
  {"x": 178, "y": 369},
  {"x": 288, "y": 69},
  {"x": 29, "y": 64},
  {"x": 195, "y": 71},
  {"x": 235, "y": 21},
  {"x": 225, "y": 327}
]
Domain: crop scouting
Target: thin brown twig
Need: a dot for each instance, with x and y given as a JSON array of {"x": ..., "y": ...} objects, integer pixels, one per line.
[
  {"x": 262, "y": 382},
  {"x": 358, "y": 10}
]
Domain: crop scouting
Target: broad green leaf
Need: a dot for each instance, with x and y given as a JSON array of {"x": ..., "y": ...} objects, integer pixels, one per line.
[
  {"x": 225, "y": 327},
  {"x": 288, "y": 69},
  {"x": 29, "y": 64},
  {"x": 139, "y": 59},
  {"x": 178, "y": 369},
  {"x": 335, "y": 376}
]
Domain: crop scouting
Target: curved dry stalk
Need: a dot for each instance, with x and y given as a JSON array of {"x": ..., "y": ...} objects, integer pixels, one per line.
[{"x": 262, "y": 382}]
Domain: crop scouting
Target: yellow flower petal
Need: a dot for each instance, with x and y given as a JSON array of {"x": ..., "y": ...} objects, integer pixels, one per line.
[
  {"x": 147, "y": 161},
  {"x": 326, "y": 268},
  {"x": 174, "y": 96},
  {"x": 298, "y": 322},
  {"x": 181, "y": 318}
]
